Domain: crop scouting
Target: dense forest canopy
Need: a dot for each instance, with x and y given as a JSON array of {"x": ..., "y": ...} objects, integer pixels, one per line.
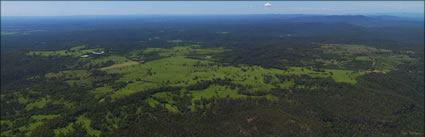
[{"x": 227, "y": 75}]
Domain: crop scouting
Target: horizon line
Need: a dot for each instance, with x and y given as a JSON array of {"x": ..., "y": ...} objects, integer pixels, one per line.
[{"x": 358, "y": 14}]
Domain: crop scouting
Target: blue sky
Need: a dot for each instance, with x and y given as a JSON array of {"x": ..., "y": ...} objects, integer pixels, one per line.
[{"x": 67, "y": 8}]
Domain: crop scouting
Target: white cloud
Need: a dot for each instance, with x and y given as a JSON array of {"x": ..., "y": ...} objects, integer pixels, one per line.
[{"x": 267, "y": 5}]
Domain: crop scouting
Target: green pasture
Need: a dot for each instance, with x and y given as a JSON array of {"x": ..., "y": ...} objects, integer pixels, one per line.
[
  {"x": 74, "y": 52},
  {"x": 38, "y": 103},
  {"x": 181, "y": 71}
]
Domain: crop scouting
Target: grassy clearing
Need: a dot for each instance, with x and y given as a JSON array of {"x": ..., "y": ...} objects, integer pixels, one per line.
[
  {"x": 210, "y": 51},
  {"x": 175, "y": 51},
  {"x": 286, "y": 84},
  {"x": 382, "y": 60},
  {"x": 68, "y": 74},
  {"x": 346, "y": 49},
  {"x": 362, "y": 58},
  {"x": 152, "y": 102},
  {"x": 133, "y": 88},
  {"x": 74, "y": 52},
  {"x": 101, "y": 91},
  {"x": 38, "y": 104},
  {"x": 72, "y": 77},
  {"x": 164, "y": 96},
  {"x": 67, "y": 104},
  {"x": 191, "y": 50},
  {"x": 158, "y": 71},
  {"x": 30, "y": 127},
  {"x": 328, "y": 62},
  {"x": 216, "y": 91},
  {"x": 22, "y": 100},
  {"x": 86, "y": 124},
  {"x": 136, "y": 54},
  {"x": 164, "y": 99},
  {"x": 184, "y": 50},
  {"x": 346, "y": 76},
  {"x": 43, "y": 117},
  {"x": 99, "y": 61},
  {"x": 9, "y": 124},
  {"x": 175, "y": 41},
  {"x": 112, "y": 120},
  {"x": 84, "y": 121},
  {"x": 64, "y": 130},
  {"x": 388, "y": 63},
  {"x": 181, "y": 71},
  {"x": 115, "y": 66}
]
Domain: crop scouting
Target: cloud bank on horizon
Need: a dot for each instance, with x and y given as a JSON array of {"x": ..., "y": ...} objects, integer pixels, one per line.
[{"x": 67, "y": 8}]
